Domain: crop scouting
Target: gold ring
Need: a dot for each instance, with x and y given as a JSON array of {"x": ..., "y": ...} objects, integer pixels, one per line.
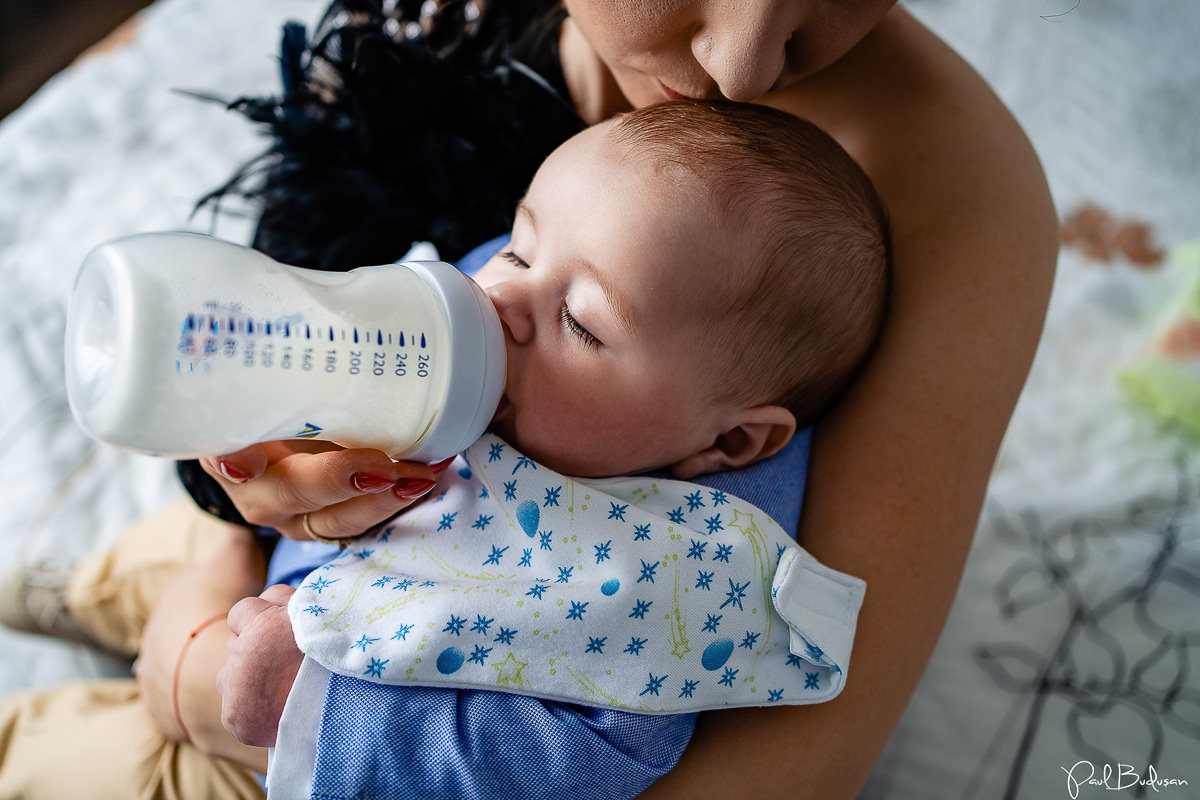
[{"x": 306, "y": 523}]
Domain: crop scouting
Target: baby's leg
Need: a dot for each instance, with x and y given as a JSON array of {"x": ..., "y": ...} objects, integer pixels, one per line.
[
  {"x": 95, "y": 740},
  {"x": 111, "y": 594}
]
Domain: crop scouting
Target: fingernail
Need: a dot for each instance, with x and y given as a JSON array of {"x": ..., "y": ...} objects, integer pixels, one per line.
[
  {"x": 371, "y": 484},
  {"x": 232, "y": 473},
  {"x": 441, "y": 465},
  {"x": 412, "y": 488}
]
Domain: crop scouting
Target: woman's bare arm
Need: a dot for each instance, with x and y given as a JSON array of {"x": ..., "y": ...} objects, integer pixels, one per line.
[{"x": 899, "y": 471}]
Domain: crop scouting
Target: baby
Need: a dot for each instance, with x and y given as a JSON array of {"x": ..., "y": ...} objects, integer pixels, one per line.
[{"x": 685, "y": 286}]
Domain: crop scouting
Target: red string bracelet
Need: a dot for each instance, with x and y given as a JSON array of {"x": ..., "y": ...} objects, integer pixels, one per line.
[{"x": 179, "y": 666}]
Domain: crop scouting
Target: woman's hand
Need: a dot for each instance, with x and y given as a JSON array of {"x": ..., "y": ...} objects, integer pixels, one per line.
[
  {"x": 339, "y": 493},
  {"x": 261, "y": 662}
]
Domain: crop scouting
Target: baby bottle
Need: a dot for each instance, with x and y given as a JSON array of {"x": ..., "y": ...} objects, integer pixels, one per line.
[{"x": 182, "y": 345}]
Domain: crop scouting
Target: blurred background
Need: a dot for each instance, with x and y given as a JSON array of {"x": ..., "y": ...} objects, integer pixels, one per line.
[{"x": 40, "y": 37}]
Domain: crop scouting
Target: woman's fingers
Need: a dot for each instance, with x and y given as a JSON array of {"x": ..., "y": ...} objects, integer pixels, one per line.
[{"x": 234, "y": 468}]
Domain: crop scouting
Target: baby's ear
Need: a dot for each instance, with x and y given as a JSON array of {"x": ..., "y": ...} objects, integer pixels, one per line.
[{"x": 751, "y": 434}]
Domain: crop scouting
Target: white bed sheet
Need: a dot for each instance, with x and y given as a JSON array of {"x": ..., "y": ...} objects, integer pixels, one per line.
[{"x": 1085, "y": 493}]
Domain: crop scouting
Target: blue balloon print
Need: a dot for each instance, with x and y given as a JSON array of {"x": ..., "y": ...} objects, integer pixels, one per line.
[
  {"x": 465, "y": 472},
  {"x": 450, "y": 660},
  {"x": 529, "y": 516},
  {"x": 715, "y": 655},
  {"x": 610, "y": 586}
]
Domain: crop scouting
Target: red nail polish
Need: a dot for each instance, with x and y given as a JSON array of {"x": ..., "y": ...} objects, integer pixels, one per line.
[
  {"x": 371, "y": 484},
  {"x": 412, "y": 488},
  {"x": 232, "y": 473},
  {"x": 440, "y": 466}
]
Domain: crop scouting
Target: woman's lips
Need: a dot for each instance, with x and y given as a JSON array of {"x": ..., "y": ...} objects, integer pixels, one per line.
[{"x": 671, "y": 93}]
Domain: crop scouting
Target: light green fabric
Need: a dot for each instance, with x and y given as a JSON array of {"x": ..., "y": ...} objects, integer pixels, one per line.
[{"x": 1168, "y": 385}]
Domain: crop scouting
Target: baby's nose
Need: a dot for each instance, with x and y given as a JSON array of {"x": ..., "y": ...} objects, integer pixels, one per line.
[{"x": 513, "y": 306}]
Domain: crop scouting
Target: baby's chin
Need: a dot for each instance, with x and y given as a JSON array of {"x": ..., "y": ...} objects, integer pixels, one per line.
[{"x": 562, "y": 458}]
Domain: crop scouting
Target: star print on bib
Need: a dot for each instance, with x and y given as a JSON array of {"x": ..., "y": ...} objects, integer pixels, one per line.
[{"x": 640, "y": 594}]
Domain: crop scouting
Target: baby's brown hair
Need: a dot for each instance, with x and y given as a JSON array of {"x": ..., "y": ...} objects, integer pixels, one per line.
[{"x": 809, "y": 307}]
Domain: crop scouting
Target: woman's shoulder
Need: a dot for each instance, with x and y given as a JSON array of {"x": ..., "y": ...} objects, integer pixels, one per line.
[{"x": 934, "y": 137}]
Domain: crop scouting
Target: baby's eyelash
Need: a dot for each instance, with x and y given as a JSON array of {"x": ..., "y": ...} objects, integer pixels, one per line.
[
  {"x": 572, "y": 324},
  {"x": 514, "y": 259}
]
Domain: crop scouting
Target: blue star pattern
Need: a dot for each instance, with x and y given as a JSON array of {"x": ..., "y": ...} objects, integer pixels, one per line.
[
  {"x": 321, "y": 584},
  {"x": 700, "y": 630},
  {"x": 495, "y": 556},
  {"x": 654, "y": 684},
  {"x": 736, "y": 594},
  {"x": 603, "y": 551}
]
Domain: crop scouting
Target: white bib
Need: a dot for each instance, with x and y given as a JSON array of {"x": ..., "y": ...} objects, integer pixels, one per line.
[{"x": 640, "y": 594}]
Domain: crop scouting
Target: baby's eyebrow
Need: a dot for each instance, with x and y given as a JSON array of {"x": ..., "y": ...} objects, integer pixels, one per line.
[{"x": 615, "y": 301}]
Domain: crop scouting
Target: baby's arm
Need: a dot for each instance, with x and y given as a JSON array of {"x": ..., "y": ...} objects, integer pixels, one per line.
[
  {"x": 436, "y": 741},
  {"x": 261, "y": 662}
]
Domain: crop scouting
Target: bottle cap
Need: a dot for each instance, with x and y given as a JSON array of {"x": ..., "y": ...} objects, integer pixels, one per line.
[{"x": 478, "y": 363}]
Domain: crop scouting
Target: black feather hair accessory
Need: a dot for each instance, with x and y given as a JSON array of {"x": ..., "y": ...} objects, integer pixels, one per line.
[{"x": 404, "y": 121}]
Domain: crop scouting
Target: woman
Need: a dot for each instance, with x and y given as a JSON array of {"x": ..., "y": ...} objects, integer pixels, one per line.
[{"x": 898, "y": 471}]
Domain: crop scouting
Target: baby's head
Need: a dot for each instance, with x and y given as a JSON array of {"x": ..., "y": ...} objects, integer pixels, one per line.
[{"x": 685, "y": 285}]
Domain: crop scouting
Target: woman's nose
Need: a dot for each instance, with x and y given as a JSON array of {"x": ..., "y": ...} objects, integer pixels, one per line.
[
  {"x": 743, "y": 53},
  {"x": 512, "y": 303}
]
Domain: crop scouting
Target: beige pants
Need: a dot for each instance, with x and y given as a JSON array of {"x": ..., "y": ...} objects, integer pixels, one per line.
[{"x": 94, "y": 740}]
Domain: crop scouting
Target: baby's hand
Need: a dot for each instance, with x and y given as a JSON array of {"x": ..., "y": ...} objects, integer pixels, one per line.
[
  {"x": 307, "y": 489},
  {"x": 261, "y": 662}
]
